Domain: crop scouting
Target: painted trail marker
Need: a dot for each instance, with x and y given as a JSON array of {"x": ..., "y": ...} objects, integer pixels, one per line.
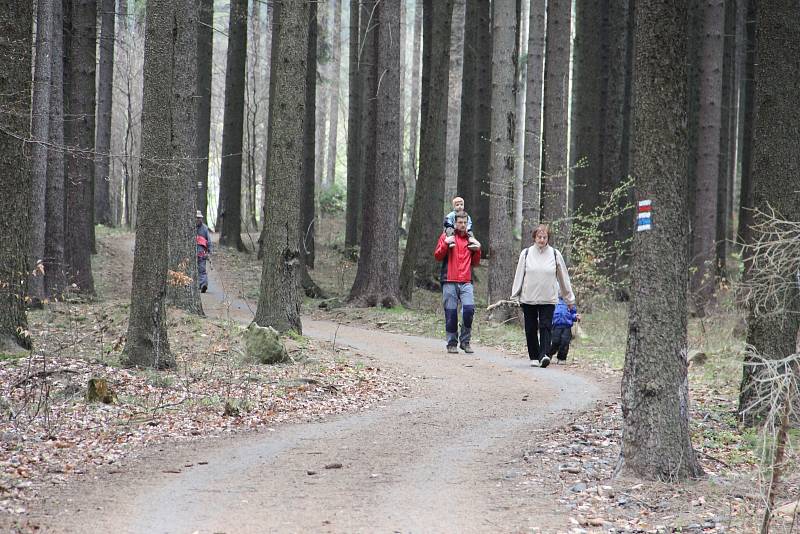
[{"x": 644, "y": 219}]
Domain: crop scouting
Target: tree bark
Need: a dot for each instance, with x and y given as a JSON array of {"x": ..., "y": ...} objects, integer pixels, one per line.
[
  {"x": 704, "y": 228},
  {"x": 16, "y": 23},
  {"x": 456, "y": 68},
  {"x": 655, "y": 399},
  {"x": 589, "y": 90},
  {"x": 480, "y": 211},
  {"x": 775, "y": 182},
  {"x": 746, "y": 202},
  {"x": 79, "y": 222},
  {"x": 233, "y": 128},
  {"x": 555, "y": 172},
  {"x": 54, "y": 266},
  {"x": 726, "y": 141},
  {"x": 366, "y": 65},
  {"x": 105, "y": 85},
  {"x": 40, "y": 124},
  {"x": 501, "y": 244},
  {"x": 307, "y": 204},
  {"x": 354, "y": 179},
  {"x": 376, "y": 280},
  {"x": 205, "y": 40},
  {"x": 469, "y": 99},
  {"x": 323, "y": 71},
  {"x": 329, "y": 178},
  {"x": 165, "y": 32},
  {"x": 616, "y": 139},
  {"x": 419, "y": 266},
  {"x": 183, "y": 292},
  {"x": 414, "y": 112},
  {"x": 532, "y": 155},
  {"x": 279, "y": 299}
]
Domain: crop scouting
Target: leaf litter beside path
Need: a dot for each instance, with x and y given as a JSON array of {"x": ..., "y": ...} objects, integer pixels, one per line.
[{"x": 50, "y": 434}]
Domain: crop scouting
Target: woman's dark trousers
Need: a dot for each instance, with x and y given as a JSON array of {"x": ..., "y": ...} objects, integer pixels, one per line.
[{"x": 538, "y": 321}]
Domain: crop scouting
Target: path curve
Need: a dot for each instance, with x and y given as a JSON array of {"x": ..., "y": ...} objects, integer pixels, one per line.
[{"x": 445, "y": 458}]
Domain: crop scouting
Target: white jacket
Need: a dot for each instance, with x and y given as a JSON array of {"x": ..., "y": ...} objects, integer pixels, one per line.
[{"x": 541, "y": 276}]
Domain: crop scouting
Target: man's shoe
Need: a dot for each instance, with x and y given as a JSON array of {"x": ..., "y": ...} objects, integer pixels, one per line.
[
  {"x": 466, "y": 348},
  {"x": 534, "y": 363},
  {"x": 203, "y": 289},
  {"x": 452, "y": 349},
  {"x": 545, "y": 362}
]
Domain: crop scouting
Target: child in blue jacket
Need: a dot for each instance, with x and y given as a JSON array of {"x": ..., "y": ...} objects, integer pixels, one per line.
[{"x": 563, "y": 319}]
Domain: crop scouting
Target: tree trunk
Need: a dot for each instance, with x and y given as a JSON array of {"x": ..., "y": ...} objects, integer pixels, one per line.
[
  {"x": 532, "y": 155},
  {"x": 79, "y": 222},
  {"x": 376, "y": 280},
  {"x": 307, "y": 217},
  {"x": 233, "y": 128},
  {"x": 726, "y": 141},
  {"x": 454, "y": 98},
  {"x": 354, "y": 179},
  {"x": 616, "y": 138},
  {"x": 366, "y": 65},
  {"x": 279, "y": 299},
  {"x": 419, "y": 266},
  {"x": 205, "y": 40},
  {"x": 253, "y": 120},
  {"x": 469, "y": 96},
  {"x": 775, "y": 183},
  {"x": 555, "y": 173},
  {"x": 501, "y": 244},
  {"x": 520, "y": 94},
  {"x": 16, "y": 23},
  {"x": 414, "y": 112},
  {"x": 704, "y": 228},
  {"x": 746, "y": 201},
  {"x": 589, "y": 91},
  {"x": 329, "y": 178},
  {"x": 168, "y": 32},
  {"x": 323, "y": 71},
  {"x": 105, "y": 86},
  {"x": 183, "y": 292},
  {"x": 655, "y": 398},
  {"x": 480, "y": 211},
  {"x": 40, "y": 124},
  {"x": 54, "y": 268}
]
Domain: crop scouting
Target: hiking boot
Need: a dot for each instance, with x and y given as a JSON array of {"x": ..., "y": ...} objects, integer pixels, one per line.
[
  {"x": 545, "y": 362},
  {"x": 452, "y": 349},
  {"x": 466, "y": 348}
]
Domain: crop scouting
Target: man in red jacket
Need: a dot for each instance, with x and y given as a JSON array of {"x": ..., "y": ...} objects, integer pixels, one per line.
[{"x": 457, "y": 262}]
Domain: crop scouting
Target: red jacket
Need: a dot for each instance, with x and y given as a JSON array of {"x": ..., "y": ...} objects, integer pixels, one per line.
[{"x": 457, "y": 262}]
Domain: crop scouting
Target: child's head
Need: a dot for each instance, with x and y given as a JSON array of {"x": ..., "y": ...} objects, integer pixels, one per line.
[{"x": 458, "y": 204}]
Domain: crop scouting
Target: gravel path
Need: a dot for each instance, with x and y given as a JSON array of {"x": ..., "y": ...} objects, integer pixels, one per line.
[{"x": 445, "y": 458}]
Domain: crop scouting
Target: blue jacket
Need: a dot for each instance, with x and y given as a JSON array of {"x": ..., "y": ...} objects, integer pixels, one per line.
[{"x": 563, "y": 316}]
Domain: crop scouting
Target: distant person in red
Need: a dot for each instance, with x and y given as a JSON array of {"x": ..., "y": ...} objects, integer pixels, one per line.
[
  {"x": 458, "y": 254},
  {"x": 203, "y": 239}
]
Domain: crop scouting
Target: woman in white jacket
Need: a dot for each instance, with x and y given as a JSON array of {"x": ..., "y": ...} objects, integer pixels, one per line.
[{"x": 541, "y": 276}]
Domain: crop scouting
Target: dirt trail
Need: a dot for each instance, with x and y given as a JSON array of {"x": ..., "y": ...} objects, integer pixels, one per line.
[{"x": 445, "y": 458}]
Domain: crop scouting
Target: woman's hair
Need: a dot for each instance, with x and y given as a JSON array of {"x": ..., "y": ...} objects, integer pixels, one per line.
[{"x": 542, "y": 228}]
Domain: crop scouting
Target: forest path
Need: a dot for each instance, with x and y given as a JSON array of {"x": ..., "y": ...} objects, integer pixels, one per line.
[{"x": 447, "y": 457}]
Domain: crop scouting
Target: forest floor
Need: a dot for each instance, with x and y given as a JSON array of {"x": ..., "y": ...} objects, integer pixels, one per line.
[{"x": 372, "y": 428}]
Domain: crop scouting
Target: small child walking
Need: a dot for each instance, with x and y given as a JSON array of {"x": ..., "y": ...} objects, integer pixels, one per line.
[{"x": 563, "y": 319}]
